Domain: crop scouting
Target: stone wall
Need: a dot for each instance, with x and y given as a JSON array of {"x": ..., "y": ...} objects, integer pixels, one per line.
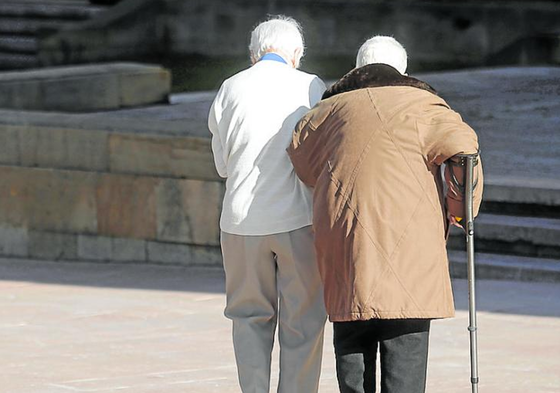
[
  {"x": 96, "y": 195},
  {"x": 139, "y": 185},
  {"x": 437, "y": 34}
]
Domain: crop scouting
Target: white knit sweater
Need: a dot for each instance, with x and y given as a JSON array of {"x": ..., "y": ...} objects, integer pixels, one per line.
[{"x": 251, "y": 121}]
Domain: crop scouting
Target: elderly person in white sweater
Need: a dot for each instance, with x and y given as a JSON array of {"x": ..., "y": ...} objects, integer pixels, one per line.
[{"x": 267, "y": 242}]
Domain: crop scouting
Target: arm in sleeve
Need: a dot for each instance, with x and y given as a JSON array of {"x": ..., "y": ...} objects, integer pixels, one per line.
[
  {"x": 307, "y": 147},
  {"x": 454, "y": 198},
  {"x": 217, "y": 146},
  {"x": 445, "y": 136}
]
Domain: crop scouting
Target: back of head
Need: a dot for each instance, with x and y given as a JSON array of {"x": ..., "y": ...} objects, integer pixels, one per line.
[
  {"x": 385, "y": 50},
  {"x": 280, "y": 34}
]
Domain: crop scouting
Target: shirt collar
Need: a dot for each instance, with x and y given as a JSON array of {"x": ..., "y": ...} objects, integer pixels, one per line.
[{"x": 273, "y": 57}]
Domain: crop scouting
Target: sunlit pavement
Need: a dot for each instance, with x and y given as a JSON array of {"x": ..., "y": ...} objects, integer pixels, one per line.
[{"x": 76, "y": 327}]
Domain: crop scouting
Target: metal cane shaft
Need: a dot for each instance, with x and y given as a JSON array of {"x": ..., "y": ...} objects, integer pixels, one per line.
[{"x": 469, "y": 216}]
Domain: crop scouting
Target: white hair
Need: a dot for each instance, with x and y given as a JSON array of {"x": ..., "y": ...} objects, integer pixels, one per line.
[
  {"x": 382, "y": 49},
  {"x": 280, "y": 34}
]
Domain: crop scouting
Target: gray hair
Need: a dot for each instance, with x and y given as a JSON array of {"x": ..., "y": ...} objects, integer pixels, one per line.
[
  {"x": 281, "y": 34},
  {"x": 385, "y": 50}
]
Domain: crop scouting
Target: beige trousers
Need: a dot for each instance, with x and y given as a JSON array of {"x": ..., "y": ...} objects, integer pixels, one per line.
[{"x": 270, "y": 279}]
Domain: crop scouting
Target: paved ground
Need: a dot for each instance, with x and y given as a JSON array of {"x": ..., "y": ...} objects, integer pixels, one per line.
[{"x": 123, "y": 328}]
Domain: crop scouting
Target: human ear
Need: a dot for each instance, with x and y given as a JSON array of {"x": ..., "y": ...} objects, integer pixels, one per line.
[{"x": 296, "y": 56}]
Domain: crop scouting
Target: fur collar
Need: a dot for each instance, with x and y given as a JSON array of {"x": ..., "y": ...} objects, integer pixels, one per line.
[{"x": 374, "y": 75}]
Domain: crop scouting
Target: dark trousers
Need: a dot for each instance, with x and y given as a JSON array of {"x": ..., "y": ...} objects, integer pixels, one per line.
[{"x": 403, "y": 349}]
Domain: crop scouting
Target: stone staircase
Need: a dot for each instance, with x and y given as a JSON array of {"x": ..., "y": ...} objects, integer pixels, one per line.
[
  {"x": 22, "y": 21},
  {"x": 517, "y": 234}
]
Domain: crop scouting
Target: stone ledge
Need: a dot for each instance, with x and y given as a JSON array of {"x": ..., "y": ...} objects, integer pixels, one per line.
[
  {"x": 182, "y": 211},
  {"x": 165, "y": 156},
  {"x": 511, "y": 229},
  {"x": 85, "y": 88},
  {"x": 522, "y": 190},
  {"x": 505, "y": 267},
  {"x": 97, "y": 150},
  {"x": 56, "y": 246}
]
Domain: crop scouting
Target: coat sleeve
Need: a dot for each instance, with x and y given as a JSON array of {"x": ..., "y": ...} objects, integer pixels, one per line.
[
  {"x": 214, "y": 118},
  {"x": 307, "y": 147},
  {"x": 443, "y": 136},
  {"x": 454, "y": 198}
]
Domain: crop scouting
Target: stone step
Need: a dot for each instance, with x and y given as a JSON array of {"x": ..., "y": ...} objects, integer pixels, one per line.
[
  {"x": 27, "y": 27},
  {"x": 526, "y": 236},
  {"x": 522, "y": 197},
  {"x": 520, "y": 209},
  {"x": 22, "y": 21},
  {"x": 18, "y": 44},
  {"x": 49, "y": 10},
  {"x": 9, "y": 61},
  {"x": 505, "y": 267}
]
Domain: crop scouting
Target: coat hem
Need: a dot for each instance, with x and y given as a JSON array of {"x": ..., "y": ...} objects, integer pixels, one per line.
[{"x": 364, "y": 316}]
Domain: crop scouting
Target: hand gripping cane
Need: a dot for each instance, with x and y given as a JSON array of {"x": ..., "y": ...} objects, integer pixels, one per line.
[{"x": 468, "y": 162}]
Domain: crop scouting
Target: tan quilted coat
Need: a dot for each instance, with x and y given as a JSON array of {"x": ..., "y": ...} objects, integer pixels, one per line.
[{"x": 372, "y": 150}]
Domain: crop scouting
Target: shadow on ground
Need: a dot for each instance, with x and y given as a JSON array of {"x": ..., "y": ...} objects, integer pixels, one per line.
[
  {"x": 538, "y": 299},
  {"x": 104, "y": 275}
]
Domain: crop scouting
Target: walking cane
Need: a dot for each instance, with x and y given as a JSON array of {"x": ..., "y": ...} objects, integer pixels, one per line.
[{"x": 468, "y": 162}]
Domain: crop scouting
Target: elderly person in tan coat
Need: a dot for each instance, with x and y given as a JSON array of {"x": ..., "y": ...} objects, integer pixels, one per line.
[{"x": 372, "y": 150}]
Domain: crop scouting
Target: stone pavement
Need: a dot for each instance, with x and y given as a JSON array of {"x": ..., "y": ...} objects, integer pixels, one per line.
[{"x": 79, "y": 327}]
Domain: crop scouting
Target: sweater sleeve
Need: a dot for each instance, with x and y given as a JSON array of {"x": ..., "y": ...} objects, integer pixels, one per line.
[
  {"x": 316, "y": 90},
  {"x": 214, "y": 118}
]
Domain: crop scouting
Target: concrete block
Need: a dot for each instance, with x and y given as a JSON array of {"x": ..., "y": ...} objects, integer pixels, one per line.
[
  {"x": 144, "y": 87},
  {"x": 85, "y": 88},
  {"x": 18, "y": 95},
  {"x": 95, "y": 248},
  {"x": 13, "y": 241},
  {"x": 48, "y": 147},
  {"x": 128, "y": 250},
  {"x": 169, "y": 253},
  {"x": 188, "y": 211},
  {"x": 126, "y": 206},
  {"x": 80, "y": 94},
  {"x": 188, "y": 157},
  {"x": 50, "y": 200},
  {"x": 53, "y": 246},
  {"x": 183, "y": 254},
  {"x": 207, "y": 256},
  {"x": 9, "y": 145}
]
